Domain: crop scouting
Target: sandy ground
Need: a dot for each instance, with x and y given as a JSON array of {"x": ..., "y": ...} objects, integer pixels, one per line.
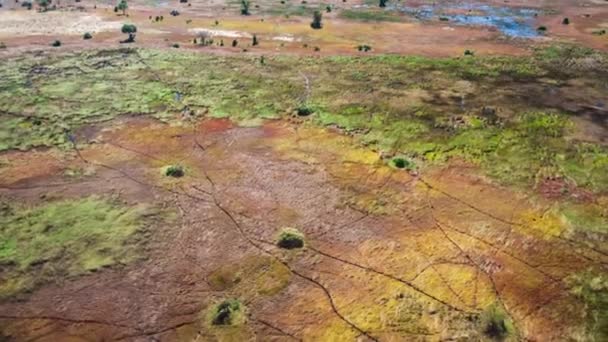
[{"x": 23, "y": 30}]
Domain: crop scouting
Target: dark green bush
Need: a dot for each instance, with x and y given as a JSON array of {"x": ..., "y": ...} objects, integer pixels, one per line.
[
  {"x": 87, "y": 35},
  {"x": 174, "y": 171},
  {"x": 56, "y": 43},
  {"x": 304, "y": 110},
  {"x": 226, "y": 312},
  {"x": 402, "y": 163},
  {"x": 496, "y": 324}
]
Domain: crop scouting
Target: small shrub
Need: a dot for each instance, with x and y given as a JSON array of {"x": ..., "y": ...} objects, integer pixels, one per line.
[
  {"x": 542, "y": 29},
  {"x": 174, "y": 13},
  {"x": 175, "y": 45},
  {"x": 175, "y": 171},
  {"x": 2, "y": 45},
  {"x": 27, "y": 4},
  {"x": 56, "y": 43},
  {"x": 364, "y": 48},
  {"x": 496, "y": 325},
  {"x": 444, "y": 19},
  {"x": 255, "y": 40},
  {"x": 235, "y": 43},
  {"x": 228, "y": 312},
  {"x": 382, "y": 3},
  {"x": 317, "y": 49},
  {"x": 469, "y": 53},
  {"x": 566, "y": 21},
  {"x": 304, "y": 110},
  {"x": 87, "y": 35},
  {"x": 183, "y": 1},
  {"x": 328, "y": 9},
  {"x": 290, "y": 238}
]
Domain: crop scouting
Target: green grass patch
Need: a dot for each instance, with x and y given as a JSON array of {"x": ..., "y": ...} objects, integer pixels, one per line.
[
  {"x": 390, "y": 102},
  {"x": 368, "y": 15},
  {"x": 65, "y": 238},
  {"x": 592, "y": 288}
]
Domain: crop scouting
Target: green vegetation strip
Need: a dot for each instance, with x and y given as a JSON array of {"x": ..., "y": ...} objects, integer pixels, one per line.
[
  {"x": 403, "y": 104},
  {"x": 63, "y": 239}
]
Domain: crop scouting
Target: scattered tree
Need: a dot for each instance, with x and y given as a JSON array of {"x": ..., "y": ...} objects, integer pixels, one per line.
[
  {"x": 364, "y": 48},
  {"x": 44, "y": 4},
  {"x": 316, "y": 24},
  {"x": 122, "y": 6},
  {"x": 566, "y": 21},
  {"x": 86, "y": 36},
  {"x": 27, "y": 4},
  {"x": 245, "y": 7},
  {"x": 56, "y": 43},
  {"x": 235, "y": 43},
  {"x": 174, "y": 13},
  {"x": 129, "y": 29},
  {"x": 255, "y": 40},
  {"x": 469, "y": 53},
  {"x": 383, "y": 3},
  {"x": 2, "y": 45},
  {"x": 328, "y": 8}
]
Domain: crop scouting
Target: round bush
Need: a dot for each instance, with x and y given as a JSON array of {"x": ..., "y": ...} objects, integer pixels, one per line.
[{"x": 290, "y": 238}]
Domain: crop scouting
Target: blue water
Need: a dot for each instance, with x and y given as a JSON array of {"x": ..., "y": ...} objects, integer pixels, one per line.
[{"x": 513, "y": 22}]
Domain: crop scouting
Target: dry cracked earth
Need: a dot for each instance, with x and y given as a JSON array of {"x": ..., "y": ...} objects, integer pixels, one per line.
[{"x": 390, "y": 255}]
